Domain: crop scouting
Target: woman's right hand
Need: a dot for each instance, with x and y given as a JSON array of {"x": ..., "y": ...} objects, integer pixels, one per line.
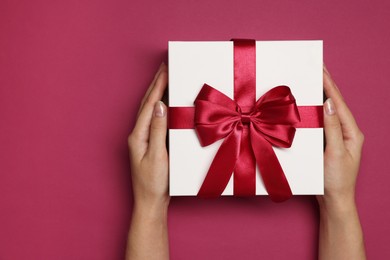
[{"x": 341, "y": 235}]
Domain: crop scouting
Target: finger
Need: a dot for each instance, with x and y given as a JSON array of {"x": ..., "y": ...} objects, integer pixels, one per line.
[
  {"x": 348, "y": 123},
  {"x": 330, "y": 85},
  {"x": 158, "y": 130},
  {"x": 141, "y": 128},
  {"x": 327, "y": 72},
  {"x": 332, "y": 127},
  {"x": 150, "y": 87}
]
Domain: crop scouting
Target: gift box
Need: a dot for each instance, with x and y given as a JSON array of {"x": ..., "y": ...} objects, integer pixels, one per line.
[{"x": 245, "y": 118}]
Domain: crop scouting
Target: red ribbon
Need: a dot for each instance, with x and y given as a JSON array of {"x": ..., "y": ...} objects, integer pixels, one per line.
[{"x": 250, "y": 128}]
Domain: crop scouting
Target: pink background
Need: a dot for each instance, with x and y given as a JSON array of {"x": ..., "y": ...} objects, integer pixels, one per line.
[{"x": 72, "y": 74}]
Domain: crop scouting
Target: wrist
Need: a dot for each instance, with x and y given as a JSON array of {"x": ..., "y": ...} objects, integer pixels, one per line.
[
  {"x": 146, "y": 200},
  {"x": 336, "y": 206},
  {"x": 151, "y": 209}
]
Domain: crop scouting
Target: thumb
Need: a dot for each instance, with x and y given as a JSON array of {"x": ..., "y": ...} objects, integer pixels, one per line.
[
  {"x": 332, "y": 126},
  {"x": 158, "y": 129}
]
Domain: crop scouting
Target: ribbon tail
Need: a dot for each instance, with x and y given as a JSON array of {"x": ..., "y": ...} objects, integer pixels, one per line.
[
  {"x": 245, "y": 171},
  {"x": 222, "y": 167},
  {"x": 271, "y": 171}
]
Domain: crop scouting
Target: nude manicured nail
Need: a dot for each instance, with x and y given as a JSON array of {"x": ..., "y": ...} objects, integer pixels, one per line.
[
  {"x": 161, "y": 65},
  {"x": 329, "y": 107},
  {"x": 159, "y": 69},
  {"x": 159, "y": 109},
  {"x": 326, "y": 70}
]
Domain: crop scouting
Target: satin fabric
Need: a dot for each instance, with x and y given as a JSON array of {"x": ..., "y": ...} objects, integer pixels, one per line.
[
  {"x": 183, "y": 117},
  {"x": 270, "y": 123}
]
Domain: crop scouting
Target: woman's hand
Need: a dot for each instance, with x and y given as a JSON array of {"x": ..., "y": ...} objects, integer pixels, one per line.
[
  {"x": 148, "y": 235},
  {"x": 341, "y": 235},
  {"x": 344, "y": 143},
  {"x": 147, "y": 145}
]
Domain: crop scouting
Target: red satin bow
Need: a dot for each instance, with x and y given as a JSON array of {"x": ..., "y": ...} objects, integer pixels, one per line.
[{"x": 249, "y": 138}]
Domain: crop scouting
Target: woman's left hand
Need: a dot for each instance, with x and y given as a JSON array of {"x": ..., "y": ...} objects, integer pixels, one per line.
[{"x": 148, "y": 235}]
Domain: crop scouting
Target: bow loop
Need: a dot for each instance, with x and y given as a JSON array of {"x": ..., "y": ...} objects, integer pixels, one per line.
[
  {"x": 215, "y": 115},
  {"x": 278, "y": 106},
  {"x": 277, "y": 115}
]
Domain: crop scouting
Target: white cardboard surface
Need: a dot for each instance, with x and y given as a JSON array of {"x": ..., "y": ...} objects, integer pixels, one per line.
[{"x": 297, "y": 64}]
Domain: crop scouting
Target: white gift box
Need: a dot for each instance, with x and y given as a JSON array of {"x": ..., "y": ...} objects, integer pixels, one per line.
[{"x": 296, "y": 64}]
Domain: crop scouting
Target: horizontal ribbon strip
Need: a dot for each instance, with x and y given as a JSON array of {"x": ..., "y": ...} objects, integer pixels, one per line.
[{"x": 183, "y": 117}]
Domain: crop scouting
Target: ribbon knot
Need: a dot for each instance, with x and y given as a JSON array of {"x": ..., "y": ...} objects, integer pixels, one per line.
[{"x": 245, "y": 119}]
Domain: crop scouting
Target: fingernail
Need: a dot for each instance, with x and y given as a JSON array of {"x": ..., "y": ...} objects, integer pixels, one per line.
[
  {"x": 329, "y": 107},
  {"x": 159, "y": 109},
  {"x": 160, "y": 68},
  {"x": 326, "y": 70}
]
